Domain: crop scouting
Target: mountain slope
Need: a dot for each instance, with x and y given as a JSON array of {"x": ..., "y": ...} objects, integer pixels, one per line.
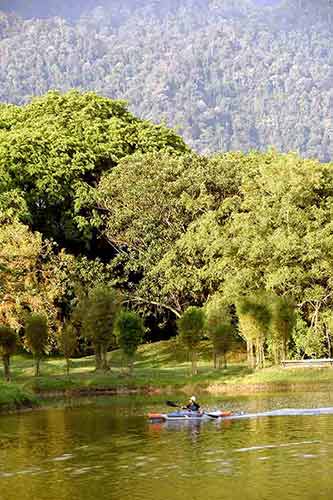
[{"x": 229, "y": 75}]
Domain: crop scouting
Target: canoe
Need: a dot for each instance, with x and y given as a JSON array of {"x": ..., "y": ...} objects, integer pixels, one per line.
[
  {"x": 219, "y": 415},
  {"x": 186, "y": 415}
]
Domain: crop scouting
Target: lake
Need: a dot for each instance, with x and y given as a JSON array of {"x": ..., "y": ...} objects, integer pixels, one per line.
[{"x": 105, "y": 449}]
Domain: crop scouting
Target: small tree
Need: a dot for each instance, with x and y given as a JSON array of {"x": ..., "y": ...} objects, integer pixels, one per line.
[
  {"x": 129, "y": 331},
  {"x": 254, "y": 322},
  {"x": 219, "y": 329},
  {"x": 282, "y": 325},
  {"x": 36, "y": 337},
  {"x": 68, "y": 343},
  {"x": 190, "y": 327},
  {"x": 98, "y": 322},
  {"x": 8, "y": 344}
]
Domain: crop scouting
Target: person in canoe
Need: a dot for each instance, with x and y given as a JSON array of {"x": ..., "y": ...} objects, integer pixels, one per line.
[{"x": 192, "y": 405}]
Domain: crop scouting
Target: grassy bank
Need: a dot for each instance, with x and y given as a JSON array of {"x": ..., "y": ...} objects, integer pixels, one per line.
[
  {"x": 159, "y": 368},
  {"x": 14, "y": 396}
]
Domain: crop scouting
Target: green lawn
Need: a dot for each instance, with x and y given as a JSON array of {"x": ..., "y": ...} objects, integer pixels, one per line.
[{"x": 159, "y": 367}]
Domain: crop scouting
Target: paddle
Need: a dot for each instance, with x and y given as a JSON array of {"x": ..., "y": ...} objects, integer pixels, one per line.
[
  {"x": 171, "y": 403},
  {"x": 174, "y": 405}
]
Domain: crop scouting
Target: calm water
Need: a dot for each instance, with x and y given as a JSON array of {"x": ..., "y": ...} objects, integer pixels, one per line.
[{"x": 107, "y": 450}]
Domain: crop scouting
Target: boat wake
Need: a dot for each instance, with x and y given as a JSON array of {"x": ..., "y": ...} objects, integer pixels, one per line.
[{"x": 285, "y": 412}]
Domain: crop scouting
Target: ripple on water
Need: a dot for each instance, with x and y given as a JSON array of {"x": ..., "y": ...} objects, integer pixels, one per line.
[
  {"x": 273, "y": 446},
  {"x": 88, "y": 457},
  {"x": 62, "y": 458}
]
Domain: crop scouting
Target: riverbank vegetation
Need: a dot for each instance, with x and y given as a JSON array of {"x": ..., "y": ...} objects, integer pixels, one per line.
[
  {"x": 102, "y": 212},
  {"x": 160, "y": 368}
]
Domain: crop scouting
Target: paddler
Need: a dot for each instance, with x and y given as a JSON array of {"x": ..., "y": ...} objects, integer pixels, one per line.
[{"x": 192, "y": 404}]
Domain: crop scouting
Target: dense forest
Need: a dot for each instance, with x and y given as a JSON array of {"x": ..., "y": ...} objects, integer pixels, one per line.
[
  {"x": 228, "y": 75},
  {"x": 92, "y": 195}
]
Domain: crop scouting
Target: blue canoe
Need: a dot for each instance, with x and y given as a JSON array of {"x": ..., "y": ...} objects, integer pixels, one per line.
[{"x": 188, "y": 416}]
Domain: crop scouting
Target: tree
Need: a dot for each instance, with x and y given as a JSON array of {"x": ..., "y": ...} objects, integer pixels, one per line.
[
  {"x": 99, "y": 313},
  {"x": 129, "y": 331},
  {"x": 219, "y": 328},
  {"x": 53, "y": 152},
  {"x": 254, "y": 322},
  {"x": 8, "y": 344},
  {"x": 36, "y": 276},
  {"x": 191, "y": 327},
  {"x": 36, "y": 337},
  {"x": 283, "y": 321},
  {"x": 162, "y": 215},
  {"x": 147, "y": 202},
  {"x": 68, "y": 342}
]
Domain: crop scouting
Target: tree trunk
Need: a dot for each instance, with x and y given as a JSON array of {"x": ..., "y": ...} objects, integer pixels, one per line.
[
  {"x": 37, "y": 367},
  {"x": 105, "y": 364},
  {"x": 248, "y": 353},
  {"x": 6, "y": 367},
  {"x": 215, "y": 360},
  {"x": 276, "y": 352},
  {"x": 250, "y": 357},
  {"x": 260, "y": 353},
  {"x": 284, "y": 350},
  {"x": 328, "y": 342},
  {"x": 194, "y": 363},
  {"x": 98, "y": 357},
  {"x": 67, "y": 366},
  {"x": 257, "y": 355},
  {"x": 130, "y": 365}
]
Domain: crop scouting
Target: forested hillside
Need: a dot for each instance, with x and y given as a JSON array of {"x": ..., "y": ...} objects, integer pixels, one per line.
[{"x": 230, "y": 75}]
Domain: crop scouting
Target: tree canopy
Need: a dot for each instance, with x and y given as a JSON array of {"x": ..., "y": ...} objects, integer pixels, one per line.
[
  {"x": 127, "y": 206},
  {"x": 55, "y": 149}
]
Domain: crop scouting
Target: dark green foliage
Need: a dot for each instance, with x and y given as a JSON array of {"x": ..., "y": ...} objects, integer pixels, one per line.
[
  {"x": 36, "y": 337},
  {"x": 129, "y": 331},
  {"x": 8, "y": 344},
  {"x": 68, "y": 343},
  {"x": 163, "y": 215},
  {"x": 99, "y": 312},
  {"x": 53, "y": 152},
  {"x": 190, "y": 328}
]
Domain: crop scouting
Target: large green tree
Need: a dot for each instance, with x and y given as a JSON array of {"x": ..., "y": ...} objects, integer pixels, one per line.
[
  {"x": 162, "y": 214},
  {"x": 54, "y": 150}
]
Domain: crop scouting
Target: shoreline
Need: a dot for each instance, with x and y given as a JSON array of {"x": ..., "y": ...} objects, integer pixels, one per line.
[
  {"x": 157, "y": 372},
  {"x": 33, "y": 401}
]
